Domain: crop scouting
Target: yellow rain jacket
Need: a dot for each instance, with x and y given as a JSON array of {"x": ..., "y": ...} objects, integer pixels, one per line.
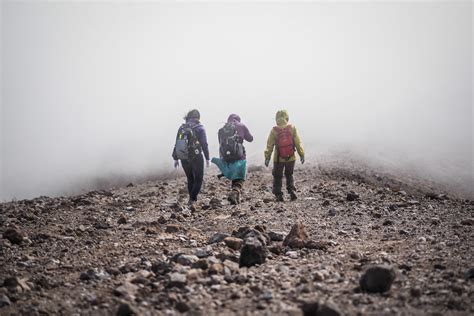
[{"x": 282, "y": 121}]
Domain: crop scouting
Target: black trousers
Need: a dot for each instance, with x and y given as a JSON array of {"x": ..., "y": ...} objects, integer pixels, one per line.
[
  {"x": 194, "y": 170},
  {"x": 286, "y": 168}
]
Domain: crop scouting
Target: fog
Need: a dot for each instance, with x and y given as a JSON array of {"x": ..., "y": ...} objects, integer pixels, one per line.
[{"x": 91, "y": 90}]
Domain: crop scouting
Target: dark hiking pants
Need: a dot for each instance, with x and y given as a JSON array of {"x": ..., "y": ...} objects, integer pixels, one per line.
[
  {"x": 280, "y": 168},
  {"x": 194, "y": 170}
]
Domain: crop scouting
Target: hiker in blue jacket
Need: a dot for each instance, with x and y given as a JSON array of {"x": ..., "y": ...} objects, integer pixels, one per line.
[{"x": 191, "y": 144}]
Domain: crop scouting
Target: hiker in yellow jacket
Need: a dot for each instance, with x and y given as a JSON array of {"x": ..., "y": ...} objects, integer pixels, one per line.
[{"x": 286, "y": 139}]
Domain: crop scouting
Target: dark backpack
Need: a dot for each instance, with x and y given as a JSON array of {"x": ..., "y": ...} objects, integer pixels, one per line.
[
  {"x": 230, "y": 143},
  {"x": 284, "y": 141},
  {"x": 187, "y": 145}
]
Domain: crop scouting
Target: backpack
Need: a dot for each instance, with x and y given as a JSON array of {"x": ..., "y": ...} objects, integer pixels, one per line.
[
  {"x": 187, "y": 146},
  {"x": 284, "y": 141},
  {"x": 230, "y": 143}
]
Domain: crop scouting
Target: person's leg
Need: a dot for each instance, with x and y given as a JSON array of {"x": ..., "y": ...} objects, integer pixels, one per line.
[
  {"x": 236, "y": 188},
  {"x": 277, "y": 179},
  {"x": 290, "y": 181},
  {"x": 187, "y": 167},
  {"x": 198, "y": 173}
]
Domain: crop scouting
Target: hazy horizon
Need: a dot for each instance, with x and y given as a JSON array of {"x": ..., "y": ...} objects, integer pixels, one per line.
[{"x": 90, "y": 90}]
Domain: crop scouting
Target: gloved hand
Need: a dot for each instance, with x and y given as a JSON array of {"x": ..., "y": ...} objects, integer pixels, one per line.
[
  {"x": 267, "y": 162},
  {"x": 207, "y": 163},
  {"x": 176, "y": 164},
  {"x": 302, "y": 159}
]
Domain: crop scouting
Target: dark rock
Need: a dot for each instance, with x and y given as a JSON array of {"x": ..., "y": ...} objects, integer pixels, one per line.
[
  {"x": 130, "y": 185},
  {"x": 276, "y": 236},
  {"x": 245, "y": 232},
  {"x": 172, "y": 228},
  {"x": 332, "y": 212},
  {"x": 4, "y": 300},
  {"x": 377, "y": 279},
  {"x": 161, "y": 268},
  {"x": 217, "y": 237},
  {"x": 352, "y": 196},
  {"x": 297, "y": 236},
  {"x": 469, "y": 274},
  {"x": 122, "y": 220},
  {"x": 253, "y": 252},
  {"x": 468, "y": 222},
  {"x": 14, "y": 235},
  {"x": 162, "y": 220},
  {"x": 125, "y": 309},
  {"x": 314, "y": 244},
  {"x": 315, "y": 308},
  {"x": 182, "y": 307}
]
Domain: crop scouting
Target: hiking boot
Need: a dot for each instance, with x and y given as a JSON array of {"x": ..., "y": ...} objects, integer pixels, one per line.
[
  {"x": 279, "y": 198},
  {"x": 293, "y": 196},
  {"x": 191, "y": 202}
]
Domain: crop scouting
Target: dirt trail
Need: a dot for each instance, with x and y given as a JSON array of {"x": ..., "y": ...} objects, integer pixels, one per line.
[{"x": 138, "y": 249}]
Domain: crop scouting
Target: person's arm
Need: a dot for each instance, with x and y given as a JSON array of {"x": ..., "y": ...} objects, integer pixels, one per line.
[
  {"x": 202, "y": 137},
  {"x": 247, "y": 136},
  {"x": 298, "y": 143},
  {"x": 270, "y": 145}
]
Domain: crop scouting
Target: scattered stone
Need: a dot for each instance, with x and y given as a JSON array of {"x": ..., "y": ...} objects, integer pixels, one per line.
[
  {"x": 127, "y": 290},
  {"x": 377, "y": 279},
  {"x": 332, "y": 212},
  {"x": 172, "y": 228},
  {"x": 233, "y": 243},
  {"x": 125, "y": 309},
  {"x": 122, "y": 220},
  {"x": 182, "y": 307},
  {"x": 253, "y": 252},
  {"x": 297, "y": 237},
  {"x": 14, "y": 235},
  {"x": 4, "y": 300},
  {"x": 469, "y": 274},
  {"x": 468, "y": 222},
  {"x": 352, "y": 196},
  {"x": 177, "y": 279},
  {"x": 314, "y": 244},
  {"x": 16, "y": 285},
  {"x": 217, "y": 237},
  {"x": 276, "y": 235},
  {"x": 415, "y": 292},
  {"x": 162, "y": 220},
  {"x": 315, "y": 308},
  {"x": 186, "y": 260}
]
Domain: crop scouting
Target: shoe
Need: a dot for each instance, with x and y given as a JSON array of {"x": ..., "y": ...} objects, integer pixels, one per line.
[
  {"x": 191, "y": 202},
  {"x": 293, "y": 196},
  {"x": 279, "y": 198}
]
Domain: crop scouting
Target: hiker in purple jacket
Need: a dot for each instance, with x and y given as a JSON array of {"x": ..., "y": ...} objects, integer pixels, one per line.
[
  {"x": 231, "y": 151},
  {"x": 191, "y": 151}
]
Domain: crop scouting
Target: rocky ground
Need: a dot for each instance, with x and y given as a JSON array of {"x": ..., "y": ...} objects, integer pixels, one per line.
[{"x": 360, "y": 244}]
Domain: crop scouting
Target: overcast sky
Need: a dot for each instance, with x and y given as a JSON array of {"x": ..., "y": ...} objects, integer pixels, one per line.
[{"x": 91, "y": 89}]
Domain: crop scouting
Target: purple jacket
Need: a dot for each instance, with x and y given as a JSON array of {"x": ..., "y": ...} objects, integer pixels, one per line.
[
  {"x": 201, "y": 136},
  {"x": 243, "y": 131}
]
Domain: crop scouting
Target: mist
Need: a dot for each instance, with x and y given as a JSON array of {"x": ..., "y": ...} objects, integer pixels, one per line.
[{"x": 95, "y": 90}]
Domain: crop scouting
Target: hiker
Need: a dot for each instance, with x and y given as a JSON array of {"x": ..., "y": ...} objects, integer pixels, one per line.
[
  {"x": 232, "y": 161},
  {"x": 191, "y": 143},
  {"x": 286, "y": 139}
]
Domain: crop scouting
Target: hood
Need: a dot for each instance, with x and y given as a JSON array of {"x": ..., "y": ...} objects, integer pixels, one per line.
[
  {"x": 282, "y": 117},
  {"x": 233, "y": 118},
  {"x": 193, "y": 121}
]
